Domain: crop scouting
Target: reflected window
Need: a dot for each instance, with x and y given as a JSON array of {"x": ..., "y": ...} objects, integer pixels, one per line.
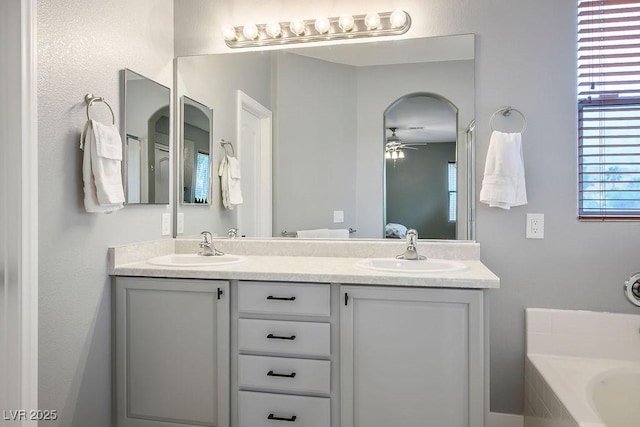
[
  {"x": 452, "y": 173},
  {"x": 202, "y": 177}
]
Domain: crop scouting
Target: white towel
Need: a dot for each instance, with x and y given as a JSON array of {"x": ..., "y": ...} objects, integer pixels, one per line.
[
  {"x": 101, "y": 171},
  {"x": 503, "y": 185},
  {"x": 229, "y": 172},
  {"x": 324, "y": 233},
  {"x": 395, "y": 231}
]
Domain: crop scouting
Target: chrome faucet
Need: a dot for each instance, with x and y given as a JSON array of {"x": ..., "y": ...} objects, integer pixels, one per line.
[
  {"x": 411, "y": 253},
  {"x": 206, "y": 245},
  {"x": 232, "y": 233}
]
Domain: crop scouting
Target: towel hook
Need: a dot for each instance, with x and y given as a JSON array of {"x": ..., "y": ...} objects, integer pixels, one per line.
[
  {"x": 224, "y": 145},
  {"x": 90, "y": 99},
  {"x": 506, "y": 112}
]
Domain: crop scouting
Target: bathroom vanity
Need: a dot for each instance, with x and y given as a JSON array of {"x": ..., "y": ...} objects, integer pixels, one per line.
[{"x": 310, "y": 340}]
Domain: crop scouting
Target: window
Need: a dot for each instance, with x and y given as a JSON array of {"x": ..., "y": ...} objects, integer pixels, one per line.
[
  {"x": 451, "y": 175},
  {"x": 609, "y": 109},
  {"x": 202, "y": 177}
]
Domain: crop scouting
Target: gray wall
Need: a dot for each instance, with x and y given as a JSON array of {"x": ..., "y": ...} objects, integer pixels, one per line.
[
  {"x": 417, "y": 190},
  {"x": 315, "y": 148},
  {"x": 82, "y": 47},
  {"x": 578, "y": 265},
  {"x": 214, "y": 81}
]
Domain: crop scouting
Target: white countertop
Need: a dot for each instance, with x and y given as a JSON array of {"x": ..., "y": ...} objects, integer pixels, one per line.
[{"x": 282, "y": 267}]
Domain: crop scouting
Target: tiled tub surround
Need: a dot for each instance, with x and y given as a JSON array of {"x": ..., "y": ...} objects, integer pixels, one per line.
[
  {"x": 571, "y": 353},
  {"x": 307, "y": 261}
]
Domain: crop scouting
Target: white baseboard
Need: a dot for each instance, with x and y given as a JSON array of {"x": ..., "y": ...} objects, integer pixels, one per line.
[{"x": 497, "y": 419}]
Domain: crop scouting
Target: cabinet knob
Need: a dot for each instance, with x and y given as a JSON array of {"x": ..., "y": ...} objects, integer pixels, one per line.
[
  {"x": 273, "y": 417},
  {"x": 278, "y": 337},
  {"x": 273, "y": 374},
  {"x": 271, "y": 297}
]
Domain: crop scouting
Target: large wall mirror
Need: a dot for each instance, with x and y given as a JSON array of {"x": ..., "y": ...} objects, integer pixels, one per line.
[
  {"x": 330, "y": 129},
  {"x": 146, "y": 139},
  {"x": 195, "y": 161}
]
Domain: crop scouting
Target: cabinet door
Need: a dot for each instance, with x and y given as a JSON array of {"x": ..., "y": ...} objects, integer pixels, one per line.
[
  {"x": 411, "y": 357},
  {"x": 172, "y": 352}
]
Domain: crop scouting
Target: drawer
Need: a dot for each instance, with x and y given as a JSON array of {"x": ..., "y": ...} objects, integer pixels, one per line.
[
  {"x": 303, "y": 299},
  {"x": 269, "y": 410},
  {"x": 285, "y": 374},
  {"x": 284, "y": 337}
]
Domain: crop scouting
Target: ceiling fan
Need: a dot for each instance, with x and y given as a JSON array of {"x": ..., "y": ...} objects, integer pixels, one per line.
[{"x": 394, "y": 146}]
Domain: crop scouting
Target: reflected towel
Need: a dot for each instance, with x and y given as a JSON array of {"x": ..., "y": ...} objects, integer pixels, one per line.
[
  {"x": 229, "y": 172},
  {"x": 503, "y": 185},
  {"x": 101, "y": 172},
  {"x": 324, "y": 233}
]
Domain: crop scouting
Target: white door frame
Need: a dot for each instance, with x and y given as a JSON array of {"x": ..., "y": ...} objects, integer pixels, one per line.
[
  {"x": 265, "y": 203},
  {"x": 19, "y": 227}
]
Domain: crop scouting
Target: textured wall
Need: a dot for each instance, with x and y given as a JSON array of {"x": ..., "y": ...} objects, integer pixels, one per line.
[
  {"x": 578, "y": 265},
  {"x": 82, "y": 46}
]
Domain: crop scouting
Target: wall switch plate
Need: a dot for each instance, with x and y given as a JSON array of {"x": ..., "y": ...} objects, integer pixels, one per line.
[
  {"x": 166, "y": 224},
  {"x": 535, "y": 226},
  {"x": 338, "y": 216},
  {"x": 180, "y": 222}
]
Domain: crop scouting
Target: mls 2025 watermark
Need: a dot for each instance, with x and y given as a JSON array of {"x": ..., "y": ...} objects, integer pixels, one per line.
[{"x": 30, "y": 415}]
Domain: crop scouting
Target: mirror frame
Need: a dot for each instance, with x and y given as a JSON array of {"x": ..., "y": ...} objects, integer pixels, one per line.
[
  {"x": 125, "y": 135},
  {"x": 468, "y": 151}
]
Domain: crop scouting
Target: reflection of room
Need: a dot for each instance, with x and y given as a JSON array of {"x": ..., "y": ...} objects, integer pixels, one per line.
[
  {"x": 147, "y": 121},
  {"x": 329, "y": 124},
  {"x": 196, "y": 133}
]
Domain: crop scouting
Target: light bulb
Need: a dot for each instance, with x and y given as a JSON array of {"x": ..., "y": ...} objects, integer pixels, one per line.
[
  {"x": 273, "y": 29},
  {"x": 297, "y": 27},
  {"x": 401, "y": 155},
  {"x": 322, "y": 24},
  {"x": 394, "y": 155},
  {"x": 250, "y": 31},
  {"x": 372, "y": 21},
  {"x": 387, "y": 154},
  {"x": 346, "y": 23},
  {"x": 398, "y": 18},
  {"x": 229, "y": 33}
]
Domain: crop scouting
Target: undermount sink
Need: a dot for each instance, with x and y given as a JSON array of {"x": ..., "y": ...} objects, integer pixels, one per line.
[
  {"x": 411, "y": 266},
  {"x": 195, "y": 260}
]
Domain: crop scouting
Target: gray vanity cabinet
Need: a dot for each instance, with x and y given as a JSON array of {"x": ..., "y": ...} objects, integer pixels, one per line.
[
  {"x": 411, "y": 357},
  {"x": 172, "y": 352}
]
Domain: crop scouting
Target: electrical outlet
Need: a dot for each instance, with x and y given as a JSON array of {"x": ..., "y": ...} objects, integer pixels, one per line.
[
  {"x": 535, "y": 226},
  {"x": 166, "y": 224}
]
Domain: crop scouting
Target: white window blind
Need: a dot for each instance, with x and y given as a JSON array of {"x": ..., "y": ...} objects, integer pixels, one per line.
[
  {"x": 452, "y": 173},
  {"x": 202, "y": 177},
  {"x": 609, "y": 109}
]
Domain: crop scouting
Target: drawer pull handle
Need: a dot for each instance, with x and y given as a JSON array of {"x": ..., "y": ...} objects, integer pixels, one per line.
[
  {"x": 271, "y": 297},
  {"x": 273, "y": 374},
  {"x": 278, "y": 337},
  {"x": 273, "y": 417}
]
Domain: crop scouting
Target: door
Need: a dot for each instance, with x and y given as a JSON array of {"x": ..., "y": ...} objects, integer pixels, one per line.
[
  {"x": 172, "y": 352},
  {"x": 161, "y": 173},
  {"x": 254, "y": 155},
  {"x": 411, "y": 357}
]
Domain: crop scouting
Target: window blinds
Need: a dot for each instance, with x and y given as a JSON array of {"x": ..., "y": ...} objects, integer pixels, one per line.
[{"x": 609, "y": 109}]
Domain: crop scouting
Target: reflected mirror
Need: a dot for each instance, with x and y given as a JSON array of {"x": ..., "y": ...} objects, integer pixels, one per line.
[
  {"x": 147, "y": 118},
  {"x": 195, "y": 165},
  {"x": 329, "y": 126},
  {"x": 421, "y": 170}
]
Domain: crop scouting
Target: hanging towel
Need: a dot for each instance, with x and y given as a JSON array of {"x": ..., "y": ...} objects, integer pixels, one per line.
[
  {"x": 101, "y": 171},
  {"x": 503, "y": 185},
  {"x": 395, "y": 231},
  {"x": 324, "y": 233},
  {"x": 229, "y": 172}
]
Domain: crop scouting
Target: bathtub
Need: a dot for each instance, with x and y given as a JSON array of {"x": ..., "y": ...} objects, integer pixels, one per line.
[{"x": 582, "y": 369}]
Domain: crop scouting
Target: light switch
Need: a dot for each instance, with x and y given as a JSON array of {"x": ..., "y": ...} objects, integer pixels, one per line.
[{"x": 338, "y": 216}]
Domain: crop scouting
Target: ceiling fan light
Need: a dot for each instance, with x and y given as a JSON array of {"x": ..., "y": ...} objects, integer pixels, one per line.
[
  {"x": 401, "y": 154},
  {"x": 394, "y": 155},
  {"x": 387, "y": 154}
]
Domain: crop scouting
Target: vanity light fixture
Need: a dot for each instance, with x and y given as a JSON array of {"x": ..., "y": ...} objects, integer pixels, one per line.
[{"x": 319, "y": 29}]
